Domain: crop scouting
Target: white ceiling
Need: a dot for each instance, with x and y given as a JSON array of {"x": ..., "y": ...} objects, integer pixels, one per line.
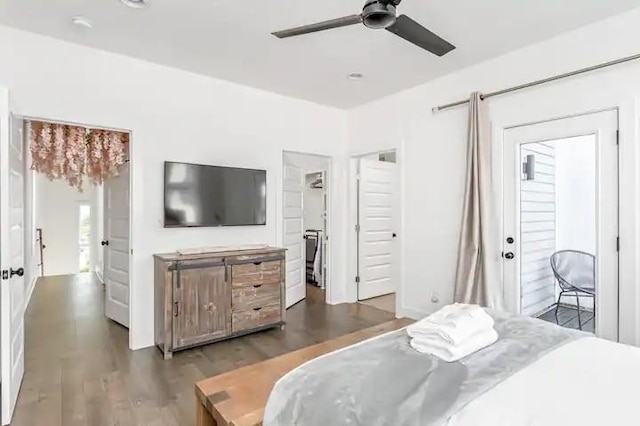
[{"x": 231, "y": 40}]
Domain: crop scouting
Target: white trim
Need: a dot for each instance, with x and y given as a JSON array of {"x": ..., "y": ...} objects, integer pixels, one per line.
[
  {"x": 412, "y": 313},
  {"x": 629, "y": 222},
  {"x": 30, "y": 289},
  {"x": 351, "y": 255},
  {"x": 131, "y": 147},
  {"x": 332, "y": 275}
]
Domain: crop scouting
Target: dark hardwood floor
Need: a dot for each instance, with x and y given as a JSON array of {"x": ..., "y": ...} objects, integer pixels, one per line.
[
  {"x": 80, "y": 371},
  {"x": 568, "y": 317}
]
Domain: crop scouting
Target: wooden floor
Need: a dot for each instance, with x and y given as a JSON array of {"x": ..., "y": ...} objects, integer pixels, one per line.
[
  {"x": 79, "y": 370},
  {"x": 568, "y": 317},
  {"x": 385, "y": 303}
]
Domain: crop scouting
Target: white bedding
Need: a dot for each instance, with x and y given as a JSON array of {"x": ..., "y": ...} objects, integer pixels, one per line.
[{"x": 586, "y": 382}]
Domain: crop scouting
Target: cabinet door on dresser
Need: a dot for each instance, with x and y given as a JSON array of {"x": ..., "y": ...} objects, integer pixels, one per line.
[{"x": 202, "y": 304}]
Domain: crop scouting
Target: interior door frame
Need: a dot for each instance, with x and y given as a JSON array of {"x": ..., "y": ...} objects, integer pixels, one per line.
[
  {"x": 325, "y": 212},
  {"x": 508, "y": 146},
  {"x": 132, "y": 181},
  {"x": 105, "y": 249},
  {"x": 330, "y": 291},
  {"x": 9, "y": 399},
  {"x": 401, "y": 309}
]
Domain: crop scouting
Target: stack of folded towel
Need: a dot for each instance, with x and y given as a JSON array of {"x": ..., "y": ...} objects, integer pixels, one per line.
[{"x": 453, "y": 332}]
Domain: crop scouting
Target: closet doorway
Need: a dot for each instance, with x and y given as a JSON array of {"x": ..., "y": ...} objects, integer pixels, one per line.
[{"x": 306, "y": 226}]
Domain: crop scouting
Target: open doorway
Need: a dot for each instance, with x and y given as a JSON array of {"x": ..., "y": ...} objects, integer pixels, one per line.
[
  {"x": 80, "y": 219},
  {"x": 377, "y": 222},
  {"x": 65, "y": 217},
  {"x": 306, "y": 226},
  {"x": 561, "y": 222}
]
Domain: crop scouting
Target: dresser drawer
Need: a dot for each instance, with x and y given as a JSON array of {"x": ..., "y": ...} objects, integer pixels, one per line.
[
  {"x": 256, "y": 317},
  {"x": 249, "y": 297},
  {"x": 249, "y": 274}
]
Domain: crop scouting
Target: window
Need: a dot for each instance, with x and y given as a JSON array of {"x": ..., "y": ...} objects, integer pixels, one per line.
[{"x": 84, "y": 240}]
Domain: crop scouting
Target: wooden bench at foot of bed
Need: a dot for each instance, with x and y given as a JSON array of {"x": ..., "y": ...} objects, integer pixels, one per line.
[{"x": 238, "y": 398}]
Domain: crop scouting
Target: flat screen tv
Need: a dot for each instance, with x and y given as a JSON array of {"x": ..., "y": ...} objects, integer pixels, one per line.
[{"x": 197, "y": 195}]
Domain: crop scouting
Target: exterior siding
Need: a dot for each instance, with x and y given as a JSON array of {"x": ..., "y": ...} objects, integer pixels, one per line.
[{"x": 537, "y": 230}]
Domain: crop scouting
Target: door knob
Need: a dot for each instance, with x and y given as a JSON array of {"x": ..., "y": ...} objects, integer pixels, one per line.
[
  {"x": 104, "y": 243},
  {"x": 509, "y": 255},
  {"x": 19, "y": 272}
]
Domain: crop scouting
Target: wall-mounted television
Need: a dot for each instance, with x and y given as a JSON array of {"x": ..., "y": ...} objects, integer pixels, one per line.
[{"x": 197, "y": 195}]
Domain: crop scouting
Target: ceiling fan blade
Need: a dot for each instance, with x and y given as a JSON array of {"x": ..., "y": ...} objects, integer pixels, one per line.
[
  {"x": 415, "y": 33},
  {"x": 319, "y": 26}
]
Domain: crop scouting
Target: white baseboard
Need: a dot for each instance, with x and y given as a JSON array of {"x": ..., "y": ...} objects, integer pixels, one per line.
[{"x": 408, "y": 312}]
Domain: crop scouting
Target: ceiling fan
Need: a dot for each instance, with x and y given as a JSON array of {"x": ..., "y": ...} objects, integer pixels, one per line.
[{"x": 379, "y": 14}]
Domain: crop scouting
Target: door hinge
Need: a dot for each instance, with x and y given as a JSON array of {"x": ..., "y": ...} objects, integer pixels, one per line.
[
  {"x": 618, "y": 244},
  {"x": 357, "y": 278},
  {"x": 175, "y": 309},
  {"x": 358, "y": 228},
  {"x": 617, "y": 137}
]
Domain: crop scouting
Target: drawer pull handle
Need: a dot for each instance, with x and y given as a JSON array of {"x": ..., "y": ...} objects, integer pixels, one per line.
[
  {"x": 257, "y": 263},
  {"x": 257, "y": 286},
  {"x": 256, "y": 309}
]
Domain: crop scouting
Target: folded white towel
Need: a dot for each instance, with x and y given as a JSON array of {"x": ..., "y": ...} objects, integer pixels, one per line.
[
  {"x": 453, "y": 323},
  {"x": 451, "y": 353}
]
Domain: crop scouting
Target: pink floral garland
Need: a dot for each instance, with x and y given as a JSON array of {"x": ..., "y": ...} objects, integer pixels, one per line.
[{"x": 61, "y": 151}]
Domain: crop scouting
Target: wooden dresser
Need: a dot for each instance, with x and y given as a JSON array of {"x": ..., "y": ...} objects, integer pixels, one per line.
[{"x": 204, "y": 298}]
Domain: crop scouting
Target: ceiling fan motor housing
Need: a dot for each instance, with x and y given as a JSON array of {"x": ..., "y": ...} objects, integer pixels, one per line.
[{"x": 378, "y": 14}]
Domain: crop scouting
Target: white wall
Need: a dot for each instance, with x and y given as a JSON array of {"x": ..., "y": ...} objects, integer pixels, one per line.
[
  {"x": 434, "y": 145},
  {"x": 58, "y": 214},
  {"x": 173, "y": 115},
  {"x": 576, "y": 194},
  {"x": 576, "y": 183}
]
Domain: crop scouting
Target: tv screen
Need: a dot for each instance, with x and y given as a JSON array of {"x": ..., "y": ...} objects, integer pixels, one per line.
[{"x": 197, "y": 195}]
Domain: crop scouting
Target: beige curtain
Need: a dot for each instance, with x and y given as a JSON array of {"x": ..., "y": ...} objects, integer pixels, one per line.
[{"x": 477, "y": 274}]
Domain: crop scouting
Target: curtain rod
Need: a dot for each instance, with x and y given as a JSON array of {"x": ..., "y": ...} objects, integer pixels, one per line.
[{"x": 543, "y": 81}]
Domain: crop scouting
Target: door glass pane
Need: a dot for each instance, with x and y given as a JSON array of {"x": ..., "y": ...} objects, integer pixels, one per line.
[{"x": 558, "y": 231}]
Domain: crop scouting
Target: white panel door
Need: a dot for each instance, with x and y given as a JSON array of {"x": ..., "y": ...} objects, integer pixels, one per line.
[
  {"x": 98, "y": 224},
  {"x": 602, "y": 126},
  {"x": 377, "y": 207},
  {"x": 293, "y": 229},
  {"x": 116, "y": 244},
  {"x": 12, "y": 253}
]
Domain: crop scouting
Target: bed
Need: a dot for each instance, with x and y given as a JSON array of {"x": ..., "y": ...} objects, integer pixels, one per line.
[{"x": 536, "y": 374}]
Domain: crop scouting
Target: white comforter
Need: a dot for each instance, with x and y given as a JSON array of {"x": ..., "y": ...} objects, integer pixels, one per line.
[{"x": 586, "y": 382}]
